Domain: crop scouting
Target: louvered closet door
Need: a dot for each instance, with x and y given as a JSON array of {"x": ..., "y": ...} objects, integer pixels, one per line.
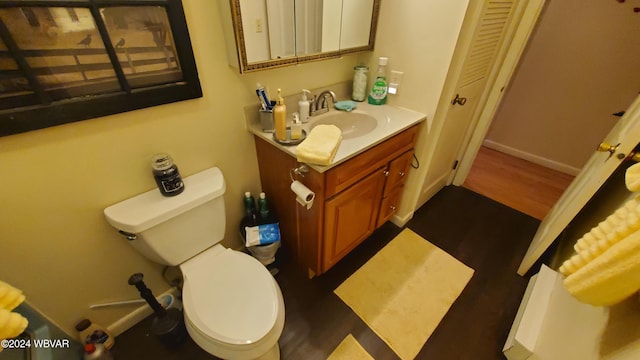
[
  {"x": 482, "y": 56},
  {"x": 488, "y": 37}
]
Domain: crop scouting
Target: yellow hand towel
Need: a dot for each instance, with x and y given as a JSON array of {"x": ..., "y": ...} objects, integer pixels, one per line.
[
  {"x": 632, "y": 177},
  {"x": 614, "y": 228},
  {"x": 320, "y": 146},
  {"x": 11, "y": 324},
  {"x": 610, "y": 277},
  {"x": 10, "y": 297}
]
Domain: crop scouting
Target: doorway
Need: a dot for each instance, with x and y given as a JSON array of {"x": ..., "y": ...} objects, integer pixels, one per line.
[
  {"x": 517, "y": 183},
  {"x": 574, "y": 75}
]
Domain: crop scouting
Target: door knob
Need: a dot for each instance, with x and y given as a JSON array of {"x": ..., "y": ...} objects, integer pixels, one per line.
[
  {"x": 459, "y": 100},
  {"x": 606, "y": 147}
]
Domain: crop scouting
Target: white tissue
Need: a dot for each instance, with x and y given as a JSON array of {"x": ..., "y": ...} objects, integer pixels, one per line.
[{"x": 304, "y": 195}]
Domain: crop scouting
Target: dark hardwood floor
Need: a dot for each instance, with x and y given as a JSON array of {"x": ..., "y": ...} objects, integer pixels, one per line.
[{"x": 485, "y": 235}]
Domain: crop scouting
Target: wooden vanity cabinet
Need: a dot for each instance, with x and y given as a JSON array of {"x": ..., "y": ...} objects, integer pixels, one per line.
[
  {"x": 352, "y": 199},
  {"x": 351, "y": 216}
]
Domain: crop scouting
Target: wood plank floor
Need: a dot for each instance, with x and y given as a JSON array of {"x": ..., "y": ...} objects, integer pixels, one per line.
[
  {"x": 517, "y": 183},
  {"x": 485, "y": 235}
]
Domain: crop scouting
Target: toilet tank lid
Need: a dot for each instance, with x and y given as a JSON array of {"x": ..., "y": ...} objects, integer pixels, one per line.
[{"x": 146, "y": 210}]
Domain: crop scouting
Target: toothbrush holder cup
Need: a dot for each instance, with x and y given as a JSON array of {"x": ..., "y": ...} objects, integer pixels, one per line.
[{"x": 266, "y": 119}]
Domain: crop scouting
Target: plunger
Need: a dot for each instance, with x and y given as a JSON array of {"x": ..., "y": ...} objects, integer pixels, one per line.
[{"x": 168, "y": 324}]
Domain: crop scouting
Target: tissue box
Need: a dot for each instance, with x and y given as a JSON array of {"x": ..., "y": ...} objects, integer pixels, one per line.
[{"x": 262, "y": 234}]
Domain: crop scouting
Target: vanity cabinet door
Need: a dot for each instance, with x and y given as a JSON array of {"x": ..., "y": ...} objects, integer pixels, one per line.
[
  {"x": 398, "y": 170},
  {"x": 351, "y": 216},
  {"x": 397, "y": 173},
  {"x": 389, "y": 205}
]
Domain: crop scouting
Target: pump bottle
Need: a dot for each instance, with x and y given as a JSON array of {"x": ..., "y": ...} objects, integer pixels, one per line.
[
  {"x": 280, "y": 118},
  {"x": 303, "y": 106}
]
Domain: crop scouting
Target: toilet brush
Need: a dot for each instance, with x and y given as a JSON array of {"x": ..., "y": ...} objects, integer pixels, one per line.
[{"x": 168, "y": 324}]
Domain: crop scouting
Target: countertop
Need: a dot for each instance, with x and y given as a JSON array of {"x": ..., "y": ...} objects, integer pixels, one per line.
[{"x": 391, "y": 120}]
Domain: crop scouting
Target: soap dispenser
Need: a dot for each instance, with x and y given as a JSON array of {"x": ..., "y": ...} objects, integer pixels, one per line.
[
  {"x": 303, "y": 106},
  {"x": 280, "y": 118},
  {"x": 296, "y": 127},
  {"x": 378, "y": 94}
]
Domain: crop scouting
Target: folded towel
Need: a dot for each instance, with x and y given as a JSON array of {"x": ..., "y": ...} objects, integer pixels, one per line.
[
  {"x": 320, "y": 146},
  {"x": 10, "y": 297},
  {"x": 610, "y": 277},
  {"x": 11, "y": 324}
]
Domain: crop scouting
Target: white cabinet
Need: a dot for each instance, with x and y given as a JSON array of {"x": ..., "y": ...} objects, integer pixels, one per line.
[{"x": 552, "y": 325}]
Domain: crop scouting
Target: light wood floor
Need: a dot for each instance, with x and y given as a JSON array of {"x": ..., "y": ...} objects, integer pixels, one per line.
[{"x": 519, "y": 184}]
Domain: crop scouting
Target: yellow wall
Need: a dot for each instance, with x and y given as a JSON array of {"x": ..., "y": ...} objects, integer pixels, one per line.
[
  {"x": 56, "y": 245},
  {"x": 419, "y": 37}
]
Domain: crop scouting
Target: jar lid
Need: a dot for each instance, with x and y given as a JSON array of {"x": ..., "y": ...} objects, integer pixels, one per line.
[
  {"x": 161, "y": 161},
  {"x": 83, "y": 324}
]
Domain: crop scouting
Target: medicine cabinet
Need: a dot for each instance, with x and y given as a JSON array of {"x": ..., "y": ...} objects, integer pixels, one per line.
[{"x": 274, "y": 33}]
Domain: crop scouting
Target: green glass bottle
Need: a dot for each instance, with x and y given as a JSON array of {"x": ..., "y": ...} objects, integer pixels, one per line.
[
  {"x": 249, "y": 207},
  {"x": 263, "y": 206}
]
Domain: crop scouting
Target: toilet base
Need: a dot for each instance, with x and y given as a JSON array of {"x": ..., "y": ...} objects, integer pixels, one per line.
[{"x": 272, "y": 354}]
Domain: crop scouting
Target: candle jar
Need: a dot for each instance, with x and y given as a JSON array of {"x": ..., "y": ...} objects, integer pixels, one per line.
[{"x": 166, "y": 174}]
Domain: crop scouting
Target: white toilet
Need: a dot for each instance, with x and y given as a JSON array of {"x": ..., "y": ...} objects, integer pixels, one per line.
[{"x": 233, "y": 307}]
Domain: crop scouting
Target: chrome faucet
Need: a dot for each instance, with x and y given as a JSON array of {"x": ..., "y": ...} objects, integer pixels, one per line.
[{"x": 321, "y": 104}]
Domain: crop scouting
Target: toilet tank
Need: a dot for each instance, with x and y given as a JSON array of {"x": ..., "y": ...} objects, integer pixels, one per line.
[{"x": 170, "y": 230}]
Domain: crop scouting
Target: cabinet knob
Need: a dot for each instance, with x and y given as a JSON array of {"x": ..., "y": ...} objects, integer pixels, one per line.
[
  {"x": 393, "y": 208},
  {"x": 386, "y": 173},
  {"x": 401, "y": 173}
]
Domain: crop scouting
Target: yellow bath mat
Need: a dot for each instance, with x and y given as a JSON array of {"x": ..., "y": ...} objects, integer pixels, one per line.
[
  {"x": 350, "y": 349},
  {"x": 404, "y": 291}
]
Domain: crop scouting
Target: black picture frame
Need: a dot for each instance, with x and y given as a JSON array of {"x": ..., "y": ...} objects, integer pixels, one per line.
[{"x": 37, "y": 110}]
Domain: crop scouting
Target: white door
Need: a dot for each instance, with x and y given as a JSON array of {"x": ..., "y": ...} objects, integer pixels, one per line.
[
  {"x": 480, "y": 51},
  {"x": 600, "y": 166}
]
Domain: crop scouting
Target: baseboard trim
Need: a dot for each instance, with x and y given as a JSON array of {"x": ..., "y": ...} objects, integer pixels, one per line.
[
  {"x": 542, "y": 161},
  {"x": 430, "y": 190},
  {"x": 128, "y": 321},
  {"x": 401, "y": 221}
]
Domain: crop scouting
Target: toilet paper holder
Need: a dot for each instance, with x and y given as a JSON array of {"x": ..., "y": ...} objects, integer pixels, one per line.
[{"x": 300, "y": 170}]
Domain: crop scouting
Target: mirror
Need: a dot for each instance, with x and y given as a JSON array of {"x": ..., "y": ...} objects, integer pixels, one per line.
[{"x": 275, "y": 33}]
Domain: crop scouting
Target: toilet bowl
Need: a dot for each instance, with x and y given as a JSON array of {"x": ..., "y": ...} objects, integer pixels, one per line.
[{"x": 233, "y": 307}]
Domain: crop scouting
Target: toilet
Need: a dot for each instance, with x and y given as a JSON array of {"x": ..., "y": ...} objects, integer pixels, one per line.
[{"x": 233, "y": 307}]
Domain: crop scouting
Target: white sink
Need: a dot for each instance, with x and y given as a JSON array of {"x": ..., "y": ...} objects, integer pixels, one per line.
[
  {"x": 362, "y": 128},
  {"x": 352, "y": 124}
]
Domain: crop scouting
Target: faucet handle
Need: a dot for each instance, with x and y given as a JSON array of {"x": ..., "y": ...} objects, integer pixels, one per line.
[{"x": 313, "y": 105}]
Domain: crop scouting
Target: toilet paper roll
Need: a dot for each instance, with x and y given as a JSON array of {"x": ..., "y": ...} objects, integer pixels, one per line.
[{"x": 304, "y": 195}]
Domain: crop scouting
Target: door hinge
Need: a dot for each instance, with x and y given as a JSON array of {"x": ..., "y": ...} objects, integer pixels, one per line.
[{"x": 455, "y": 164}]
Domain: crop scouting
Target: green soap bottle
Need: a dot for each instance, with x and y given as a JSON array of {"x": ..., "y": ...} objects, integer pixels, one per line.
[{"x": 378, "y": 94}]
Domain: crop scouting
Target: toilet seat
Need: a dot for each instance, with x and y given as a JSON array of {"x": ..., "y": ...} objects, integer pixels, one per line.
[{"x": 229, "y": 296}]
